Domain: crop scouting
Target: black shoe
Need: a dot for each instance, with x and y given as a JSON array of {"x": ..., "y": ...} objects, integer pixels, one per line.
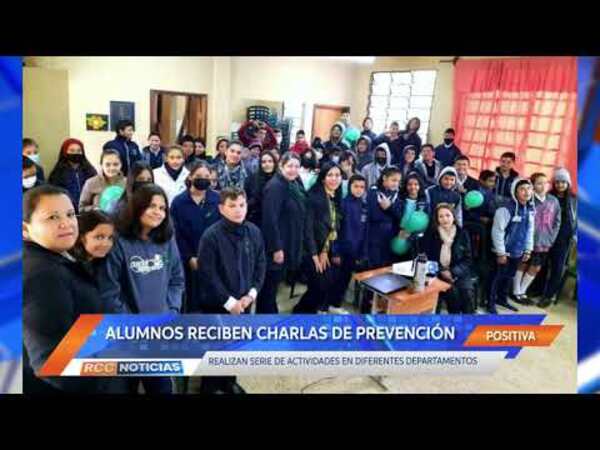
[
  {"x": 523, "y": 300},
  {"x": 492, "y": 309},
  {"x": 544, "y": 302},
  {"x": 235, "y": 388},
  {"x": 508, "y": 306}
]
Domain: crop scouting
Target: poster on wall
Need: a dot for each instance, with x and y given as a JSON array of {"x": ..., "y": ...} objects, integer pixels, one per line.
[
  {"x": 121, "y": 111},
  {"x": 96, "y": 122}
]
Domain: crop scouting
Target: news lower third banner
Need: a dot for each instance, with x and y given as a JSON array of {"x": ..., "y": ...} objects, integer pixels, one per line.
[{"x": 195, "y": 345}]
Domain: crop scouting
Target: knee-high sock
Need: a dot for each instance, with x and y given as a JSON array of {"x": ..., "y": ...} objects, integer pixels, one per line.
[
  {"x": 526, "y": 282},
  {"x": 517, "y": 282}
]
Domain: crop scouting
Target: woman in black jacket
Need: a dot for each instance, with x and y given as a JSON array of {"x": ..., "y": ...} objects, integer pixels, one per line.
[
  {"x": 255, "y": 186},
  {"x": 450, "y": 246},
  {"x": 57, "y": 288},
  {"x": 320, "y": 265},
  {"x": 283, "y": 216}
]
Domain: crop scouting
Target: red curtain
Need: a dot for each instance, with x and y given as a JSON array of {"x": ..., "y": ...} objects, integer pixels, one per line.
[{"x": 523, "y": 105}]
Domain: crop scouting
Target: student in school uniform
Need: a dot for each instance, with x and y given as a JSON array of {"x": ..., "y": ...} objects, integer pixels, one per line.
[
  {"x": 465, "y": 182},
  {"x": 351, "y": 247},
  {"x": 29, "y": 179},
  {"x": 407, "y": 164},
  {"x": 188, "y": 146},
  {"x": 413, "y": 199},
  {"x": 449, "y": 245},
  {"x": 505, "y": 175},
  {"x": 547, "y": 226},
  {"x": 57, "y": 288},
  {"x": 123, "y": 143},
  {"x": 252, "y": 162},
  {"x": 31, "y": 150},
  {"x": 232, "y": 172},
  {"x": 382, "y": 160},
  {"x": 445, "y": 192},
  {"x": 220, "y": 150},
  {"x": 447, "y": 152},
  {"x": 335, "y": 139},
  {"x": 255, "y": 186},
  {"x": 193, "y": 211},
  {"x": 364, "y": 152},
  {"x": 283, "y": 218},
  {"x": 394, "y": 141},
  {"x": 427, "y": 166},
  {"x": 111, "y": 175},
  {"x": 200, "y": 151},
  {"x": 143, "y": 272},
  {"x": 154, "y": 153},
  {"x": 367, "y": 129},
  {"x": 172, "y": 174},
  {"x": 321, "y": 265},
  {"x": 567, "y": 235},
  {"x": 139, "y": 175},
  {"x": 72, "y": 169},
  {"x": 232, "y": 242},
  {"x": 512, "y": 242},
  {"x": 411, "y": 136}
]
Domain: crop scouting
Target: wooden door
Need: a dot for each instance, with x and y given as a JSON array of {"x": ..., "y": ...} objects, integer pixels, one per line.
[{"x": 324, "y": 116}]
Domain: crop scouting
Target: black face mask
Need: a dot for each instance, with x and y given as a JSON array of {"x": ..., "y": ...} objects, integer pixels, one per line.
[
  {"x": 202, "y": 184},
  {"x": 448, "y": 141},
  {"x": 138, "y": 184},
  {"x": 75, "y": 158},
  {"x": 381, "y": 161}
]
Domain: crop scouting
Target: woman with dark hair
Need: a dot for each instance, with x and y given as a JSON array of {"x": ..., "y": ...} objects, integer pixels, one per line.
[
  {"x": 193, "y": 211},
  {"x": 139, "y": 175},
  {"x": 57, "y": 288},
  {"x": 111, "y": 175},
  {"x": 407, "y": 163},
  {"x": 200, "y": 151},
  {"x": 411, "y": 137},
  {"x": 143, "y": 272},
  {"x": 283, "y": 217},
  {"x": 412, "y": 199},
  {"x": 559, "y": 252},
  {"x": 72, "y": 169},
  {"x": 320, "y": 265},
  {"x": 255, "y": 185},
  {"x": 449, "y": 245}
]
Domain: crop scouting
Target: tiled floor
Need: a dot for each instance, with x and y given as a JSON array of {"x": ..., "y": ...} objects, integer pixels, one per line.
[{"x": 536, "y": 370}]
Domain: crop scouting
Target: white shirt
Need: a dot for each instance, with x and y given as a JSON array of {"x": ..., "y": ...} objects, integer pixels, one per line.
[{"x": 171, "y": 187}]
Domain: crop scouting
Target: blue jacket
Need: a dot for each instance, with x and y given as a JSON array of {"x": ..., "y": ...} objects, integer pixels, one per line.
[
  {"x": 503, "y": 185},
  {"x": 513, "y": 228},
  {"x": 155, "y": 161},
  {"x": 383, "y": 226},
  {"x": 437, "y": 194},
  {"x": 352, "y": 242},
  {"x": 447, "y": 155},
  {"x": 142, "y": 277},
  {"x": 66, "y": 177},
  {"x": 128, "y": 150},
  {"x": 192, "y": 220}
]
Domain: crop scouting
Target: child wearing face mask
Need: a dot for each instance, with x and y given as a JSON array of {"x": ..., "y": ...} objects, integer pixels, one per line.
[
  {"x": 111, "y": 175},
  {"x": 193, "y": 211},
  {"x": 72, "y": 169},
  {"x": 447, "y": 152},
  {"x": 372, "y": 171},
  {"x": 31, "y": 150},
  {"x": 30, "y": 179}
]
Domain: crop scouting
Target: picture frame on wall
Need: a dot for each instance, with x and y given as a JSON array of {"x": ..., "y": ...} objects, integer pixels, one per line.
[
  {"x": 120, "y": 110},
  {"x": 96, "y": 122}
]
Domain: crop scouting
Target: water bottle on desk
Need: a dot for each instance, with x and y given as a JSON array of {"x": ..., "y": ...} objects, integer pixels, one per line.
[{"x": 421, "y": 264}]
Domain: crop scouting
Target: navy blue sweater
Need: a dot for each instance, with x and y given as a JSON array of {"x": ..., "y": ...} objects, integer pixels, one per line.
[
  {"x": 128, "y": 151},
  {"x": 447, "y": 155},
  {"x": 191, "y": 221},
  {"x": 383, "y": 225},
  {"x": 352, "y": 242}
]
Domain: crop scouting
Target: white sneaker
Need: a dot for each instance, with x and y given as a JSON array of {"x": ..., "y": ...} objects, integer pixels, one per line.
[{"x": 337, "y": 310}]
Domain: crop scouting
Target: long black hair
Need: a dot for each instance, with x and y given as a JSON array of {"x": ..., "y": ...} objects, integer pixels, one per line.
[
  {"x": 319, "y": 184},
  {"x": 128, "y": 223},
  {"x": 388, "y": 171},
  {"x": 87, "y": 221},
  {"x": 414, "y": 176},
  {"x": 137, "y": 168}
]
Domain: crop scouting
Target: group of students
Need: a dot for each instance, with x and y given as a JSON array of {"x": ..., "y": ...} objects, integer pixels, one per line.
[{"x": 199, "y": 234}]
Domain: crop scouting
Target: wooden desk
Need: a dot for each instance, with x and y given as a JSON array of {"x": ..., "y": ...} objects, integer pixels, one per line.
[{"x": 405, "y": 301}]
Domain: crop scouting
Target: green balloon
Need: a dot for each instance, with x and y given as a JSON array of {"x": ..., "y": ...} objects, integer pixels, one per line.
[
  {"x": 110, "y": 197},
  {"x": 400, "y": 246},
  {"x": 417, "y": 222},
  {"x": 344, "y": 189},
  {"x": 310, "y": 181},
  {"x": 352, "y": 135},
  {"x": 473, "y": 199}
]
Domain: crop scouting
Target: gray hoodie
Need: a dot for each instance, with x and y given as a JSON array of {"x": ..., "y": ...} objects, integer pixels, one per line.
[
  {"x": 142, "y": 277},
  {"x": 372, "y": 170},
  {"x": 421, "y": 168}
]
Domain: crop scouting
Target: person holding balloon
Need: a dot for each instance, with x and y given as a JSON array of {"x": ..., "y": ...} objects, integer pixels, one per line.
[
  {"x": 321, "y": 265},
  {"x": 282, "y": 224},
  {"x": 449, "y": 245},
  {"x": 413, "y": 201},
  {"x": 93, "y": 189}
]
